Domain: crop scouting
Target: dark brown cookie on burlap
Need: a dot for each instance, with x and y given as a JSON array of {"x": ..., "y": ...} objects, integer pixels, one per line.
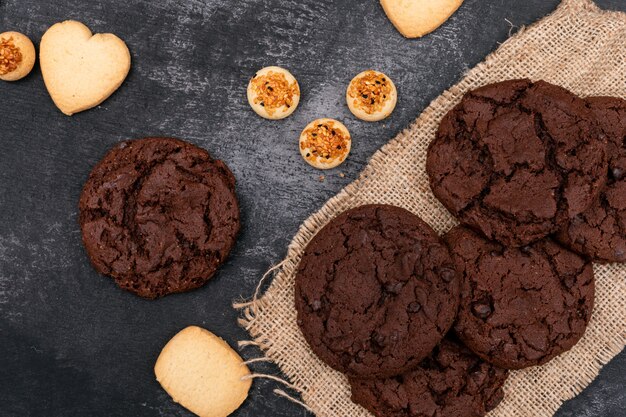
[
  {"x": 451, "y": 382},
  {"x": 600, "y": 231},
  {"x": 516, "y": 160},
  {"x": 520, "y": 306},
  {"x": 375, "y": 291},
  {"x": 159, "y": 215}
]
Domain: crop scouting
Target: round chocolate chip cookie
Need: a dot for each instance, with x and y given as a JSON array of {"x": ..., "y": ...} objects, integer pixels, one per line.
[
  {"x": 451, "y": 382},
  {"x": 159, "y": 216},
  {"x": 375, "y": 291},
  {"x": 600, "y": 231},
  {"x": 516, "y": 160},
  {"x": 520, "y": 306}
]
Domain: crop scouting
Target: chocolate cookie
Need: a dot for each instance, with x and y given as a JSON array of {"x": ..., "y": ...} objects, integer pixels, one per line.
[
  {"x": 451, "y": 382},
  {"x": 600, "y": 231},
  {"x": 159, "y": 216},
  {"x": 516, "y": 160},
  {"x": 375, "y": 291},
  {"x": 520, "y": 306}
]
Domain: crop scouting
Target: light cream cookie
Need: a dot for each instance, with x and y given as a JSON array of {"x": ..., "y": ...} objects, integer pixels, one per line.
[
  {"x": 273, "y": 93},
  {"x": 416, "y": 18},
  {"x": 371, "y": 96},
  {"x": 81, "y": 69},
  {"x": 202, "y": 373},
  {"x": 17, "y": 56},
  {"x": 325, "y": 143}
]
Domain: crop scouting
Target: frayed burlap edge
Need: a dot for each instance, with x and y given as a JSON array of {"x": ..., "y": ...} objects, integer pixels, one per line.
[{"x": 579, "y": 47}]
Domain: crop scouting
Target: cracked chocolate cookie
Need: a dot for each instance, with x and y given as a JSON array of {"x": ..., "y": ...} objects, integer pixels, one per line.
[
  {"x": 600, "y": 231},
  {"x": 451, "y": 382},
  {"x": 375, "y": 291},
  {"x": 516, "y": 160},
  {"x": 520, "y": 306},
  {"x": 159, "y": 215}
]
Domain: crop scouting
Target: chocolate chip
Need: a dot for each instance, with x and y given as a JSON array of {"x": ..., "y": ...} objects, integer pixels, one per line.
[
  {"x": 617, "y": 173},
  {"x": 526, "y": 250},
  {"x": 407, "y": 263},
  {"x": 346, "y": 359},
  {"x": 481, "y": 310},
  {"x": 619, "y": 253},
  {"x": 447, "y": 274},
  {"x": 414, "y": 307},
  {"x": 495, "y": 399},
  {"x": 379, "y": 339},
  {"x": 569, "y": 282},
  {"x": 316, "y": 305},
  {"x": 394, "y": 287}
]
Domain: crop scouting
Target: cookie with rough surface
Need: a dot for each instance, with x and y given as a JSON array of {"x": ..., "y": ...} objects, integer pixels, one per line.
[
  {"x": 375, "y": 291},
  {"x": 520, "y": 306},
  {"x": 451, "y": 382},
  {"x": 600, "y": 231},
  {"x": 516, "y": 160},
  {"x": 159, "y": 215}
]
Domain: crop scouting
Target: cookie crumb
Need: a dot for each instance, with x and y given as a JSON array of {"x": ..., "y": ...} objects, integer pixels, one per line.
[
  {"x": 342, "y": 175},
  {"x": 322, "y": 178}
]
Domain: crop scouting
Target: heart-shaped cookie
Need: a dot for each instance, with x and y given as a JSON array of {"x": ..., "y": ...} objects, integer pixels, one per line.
[
  {"x": 80, "y": 69},
  {"x": 416, "y": 18}
]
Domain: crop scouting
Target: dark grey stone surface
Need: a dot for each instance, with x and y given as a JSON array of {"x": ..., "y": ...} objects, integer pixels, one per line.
[{"x": 71, "y": 342}]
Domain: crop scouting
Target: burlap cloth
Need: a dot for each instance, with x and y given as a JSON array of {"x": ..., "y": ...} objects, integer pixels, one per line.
[{"x": 579, "y": 47}]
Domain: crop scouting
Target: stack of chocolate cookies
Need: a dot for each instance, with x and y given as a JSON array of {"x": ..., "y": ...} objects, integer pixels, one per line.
[{"x": 429, "y": 326}]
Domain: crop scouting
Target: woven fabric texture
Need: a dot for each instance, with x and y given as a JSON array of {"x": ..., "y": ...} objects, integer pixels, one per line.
[{"x": 579, "y": 47}]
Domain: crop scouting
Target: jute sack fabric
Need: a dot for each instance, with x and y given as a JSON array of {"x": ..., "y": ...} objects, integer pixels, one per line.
[{"x": 579, "y": 47}]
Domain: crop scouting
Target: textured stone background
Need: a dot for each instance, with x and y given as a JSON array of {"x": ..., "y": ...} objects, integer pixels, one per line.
[{"x": 71, "y": 342}]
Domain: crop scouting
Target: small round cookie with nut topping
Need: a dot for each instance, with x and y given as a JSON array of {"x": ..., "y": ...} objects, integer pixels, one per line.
[
  {"x": 17, "y": 56},
  {"x": 273, "y": 93},
  {"x": 371, "y": 96},
  {"x": 325, "y": 143}
]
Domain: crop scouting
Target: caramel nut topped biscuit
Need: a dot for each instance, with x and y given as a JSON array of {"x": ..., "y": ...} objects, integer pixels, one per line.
[
  {"x": 17, "y": 56},
  {"x": 371, "y": 96},
  {"x": 273, "y": 93},
  {"x": 325, "y": 143}
]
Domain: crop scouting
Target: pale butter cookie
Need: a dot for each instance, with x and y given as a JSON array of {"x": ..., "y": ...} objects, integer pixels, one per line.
[
  {"x": 81, "y": 69},
  {"x": 202, "y": 373},
  {"x": 371, "y": 96},
  {"x": 325, "y": 143},
  {"x": 416, "y": 18},
  {"x": 273, "y": 93},
  {"x": 17, "y": 56}
]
